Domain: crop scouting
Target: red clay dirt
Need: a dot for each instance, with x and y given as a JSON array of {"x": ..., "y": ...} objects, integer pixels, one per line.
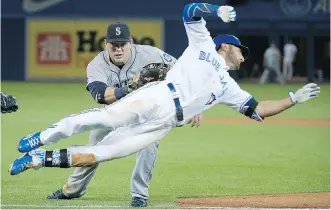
[
  {"x": 301, "y": 200},
  {"x": 271, "y": 121}
]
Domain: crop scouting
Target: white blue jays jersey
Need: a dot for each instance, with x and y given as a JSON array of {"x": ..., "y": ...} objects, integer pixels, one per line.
[{"x": 200, "y": 75}]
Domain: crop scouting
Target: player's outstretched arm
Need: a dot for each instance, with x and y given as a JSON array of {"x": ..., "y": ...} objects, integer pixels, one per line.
[
  {"x": 274, "y": 107},
  {"x": 195, "y": 11}
]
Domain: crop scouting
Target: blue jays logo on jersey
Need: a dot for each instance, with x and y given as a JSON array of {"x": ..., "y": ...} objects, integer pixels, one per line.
[{"x": 211, "y": 99}]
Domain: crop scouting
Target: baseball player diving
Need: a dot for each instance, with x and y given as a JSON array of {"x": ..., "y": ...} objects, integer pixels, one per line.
[
  {"x": 109, "y": 78},
  {"x": 198, "y": 80}
]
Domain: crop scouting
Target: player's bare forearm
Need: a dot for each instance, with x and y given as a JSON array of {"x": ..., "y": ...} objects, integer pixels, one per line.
[
  {"x": 110, "y": 95},
  {"x": 273, "y": 107}
]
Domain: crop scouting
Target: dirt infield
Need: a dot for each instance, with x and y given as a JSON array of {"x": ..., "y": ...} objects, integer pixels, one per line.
[
  {"x": 271, "y": 121},
  {"x": 302, "y": 200}
]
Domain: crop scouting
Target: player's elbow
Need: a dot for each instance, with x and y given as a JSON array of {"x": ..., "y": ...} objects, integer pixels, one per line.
[
  {"x": 186, "y": 7},
  {"x": 261, "y": 110},
  {"x": 97, "y": 90},
  {"x": 188, "y": 12},
  {"x": 251, "y": 109}
]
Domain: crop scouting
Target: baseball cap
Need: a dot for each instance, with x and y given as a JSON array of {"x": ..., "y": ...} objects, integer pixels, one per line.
[
  {"x": 118, "y": 32},
  {"x": 233, "y": 40}
]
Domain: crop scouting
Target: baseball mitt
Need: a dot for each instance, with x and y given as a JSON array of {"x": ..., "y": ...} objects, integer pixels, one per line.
[
  {"x": 149, "y": 73},
  {"x": 8, "y": 104}
]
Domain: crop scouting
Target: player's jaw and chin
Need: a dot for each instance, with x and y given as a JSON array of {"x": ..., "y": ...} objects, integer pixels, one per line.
[{"x": 233, "y": 57}]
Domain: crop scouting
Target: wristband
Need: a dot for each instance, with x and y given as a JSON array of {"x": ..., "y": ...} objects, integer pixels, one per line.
[
  {"x": 121, "y": 92},
  {"x": 291, "y": 94}
]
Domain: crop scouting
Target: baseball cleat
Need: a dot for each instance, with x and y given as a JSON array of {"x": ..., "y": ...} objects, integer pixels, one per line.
[
  {"x": 58, "y": 195},
  {"x": 29, "y": 143},
  {"x": 27, "y": 161},
  {"x": 21, "y": 164},
  {"x": 139, "y": 202}
]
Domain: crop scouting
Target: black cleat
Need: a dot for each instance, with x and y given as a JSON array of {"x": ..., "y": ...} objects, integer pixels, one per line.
[
  {"x": 138, "y": 202},
  {"x": 58, "y": 195}
]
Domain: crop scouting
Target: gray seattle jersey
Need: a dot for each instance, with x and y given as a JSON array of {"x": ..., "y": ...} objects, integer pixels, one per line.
[{"x": 101, "y": 69}]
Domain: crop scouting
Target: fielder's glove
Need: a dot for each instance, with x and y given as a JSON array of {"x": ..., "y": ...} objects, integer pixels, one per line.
[
  {"x": 8, "y": 104},
  {"x": 305, "y": 93},
  {"x": 150, "y": 73},
  {"x": 227, "y": 13}
]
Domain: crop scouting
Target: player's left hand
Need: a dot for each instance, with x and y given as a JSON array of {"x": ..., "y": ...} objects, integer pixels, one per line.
[
  {"x": 305, "y": 93},
  {"x": 195, "y": 121},
  {"x": 227, "y": 13},
  {"x": 149, "y": 73}
]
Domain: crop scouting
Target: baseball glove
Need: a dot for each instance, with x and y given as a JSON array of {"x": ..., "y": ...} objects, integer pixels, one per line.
[
  {"x": 8, "y": 104},
  {"x": 149, "y": 73}
]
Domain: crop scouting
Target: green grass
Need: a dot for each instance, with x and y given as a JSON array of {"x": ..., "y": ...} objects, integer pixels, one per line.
[{"x": 216, "y": 159}]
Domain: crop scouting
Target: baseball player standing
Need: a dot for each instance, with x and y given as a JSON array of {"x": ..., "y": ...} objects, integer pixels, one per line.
[
  {"x": 290, "y": 51},
  {"x": 197, "y": 82},
  {"x": 107, "y": 80},
  {"x": 271, "y": 63}
]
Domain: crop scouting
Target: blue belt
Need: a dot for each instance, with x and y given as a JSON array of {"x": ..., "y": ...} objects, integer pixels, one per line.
[{"x": 179, "y": 109}]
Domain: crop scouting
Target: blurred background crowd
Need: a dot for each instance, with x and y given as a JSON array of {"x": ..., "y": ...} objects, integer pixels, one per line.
[{"x": 55, "y": 39}]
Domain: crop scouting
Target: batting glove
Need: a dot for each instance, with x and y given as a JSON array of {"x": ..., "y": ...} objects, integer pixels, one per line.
[
  {"x": 305, "y": 93},
  {"x": 227, "y": 13}
]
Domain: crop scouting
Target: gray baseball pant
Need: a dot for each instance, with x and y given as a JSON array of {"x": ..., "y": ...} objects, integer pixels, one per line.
[
  {"x": 265, "y": 77},
  {"x": 142, "y": 173}
]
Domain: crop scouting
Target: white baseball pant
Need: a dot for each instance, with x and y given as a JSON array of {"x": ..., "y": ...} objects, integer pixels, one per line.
[
  {"x": 288, "y": 69},
  {"x": 149, "y": 113}
]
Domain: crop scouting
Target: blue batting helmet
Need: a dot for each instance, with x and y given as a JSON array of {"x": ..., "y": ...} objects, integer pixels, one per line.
[{"x": 233, "y": 40}]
